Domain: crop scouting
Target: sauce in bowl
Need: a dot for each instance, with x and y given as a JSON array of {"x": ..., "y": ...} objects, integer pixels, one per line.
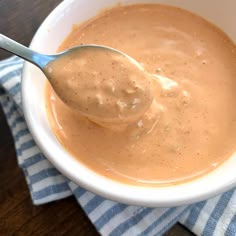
[{"x": 189, "y": 127}]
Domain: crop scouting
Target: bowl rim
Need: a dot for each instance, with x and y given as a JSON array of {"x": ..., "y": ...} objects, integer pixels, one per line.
[{"x": 153, "y": 197}]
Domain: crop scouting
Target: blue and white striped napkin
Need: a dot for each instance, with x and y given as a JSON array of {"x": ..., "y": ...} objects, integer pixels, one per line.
[{"x": 216, "y": 216}]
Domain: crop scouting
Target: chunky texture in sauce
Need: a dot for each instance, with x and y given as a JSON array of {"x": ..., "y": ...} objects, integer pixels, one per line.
[
  {"x": 102, "y": 84},
  {"x": 190, "y": 127}
]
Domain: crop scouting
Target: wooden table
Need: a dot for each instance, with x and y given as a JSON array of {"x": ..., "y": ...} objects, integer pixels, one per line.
[{"x": 19, "y": 19}]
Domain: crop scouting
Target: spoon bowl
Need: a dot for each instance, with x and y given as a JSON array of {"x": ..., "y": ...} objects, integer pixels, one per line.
[{"x": 102, "y": 83}]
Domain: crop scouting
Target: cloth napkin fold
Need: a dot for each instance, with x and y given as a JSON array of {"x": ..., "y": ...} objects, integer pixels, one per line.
[{"x": 217, "y": 216}]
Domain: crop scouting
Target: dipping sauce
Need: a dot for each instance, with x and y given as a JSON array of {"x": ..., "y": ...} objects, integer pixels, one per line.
[
  {"x": 102, "y": 84},
  {"x": 190, "y": 126}
]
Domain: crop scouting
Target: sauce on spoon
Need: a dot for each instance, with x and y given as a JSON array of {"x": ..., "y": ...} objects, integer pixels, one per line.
[{"x": 105, "y": 85}]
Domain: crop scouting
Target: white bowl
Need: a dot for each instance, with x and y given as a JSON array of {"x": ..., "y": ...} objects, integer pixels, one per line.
[{"x": 49, "y": 36}]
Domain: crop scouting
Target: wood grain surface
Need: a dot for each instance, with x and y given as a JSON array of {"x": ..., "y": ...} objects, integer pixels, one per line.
[{"x": 19, "y": 19}]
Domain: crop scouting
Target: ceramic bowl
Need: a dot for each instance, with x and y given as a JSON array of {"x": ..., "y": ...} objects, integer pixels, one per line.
[{"x": 48, "y": 37}]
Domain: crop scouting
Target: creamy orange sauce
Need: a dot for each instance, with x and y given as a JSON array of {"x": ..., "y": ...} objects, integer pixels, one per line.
[
  {"x": 190, "y": 127},
  {"x": 102, "y": 84}
]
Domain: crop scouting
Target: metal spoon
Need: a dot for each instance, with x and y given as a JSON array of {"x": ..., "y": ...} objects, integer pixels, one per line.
[
  {"x": 41, "y": 60},
  {"x": 105, "y": 113}
]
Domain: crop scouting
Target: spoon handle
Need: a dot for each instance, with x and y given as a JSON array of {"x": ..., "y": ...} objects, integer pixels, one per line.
[{"x": 20, "y": 50}]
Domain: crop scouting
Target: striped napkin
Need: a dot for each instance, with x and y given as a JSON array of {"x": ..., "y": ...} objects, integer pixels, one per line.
[{"x": 216, "y": 216}]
